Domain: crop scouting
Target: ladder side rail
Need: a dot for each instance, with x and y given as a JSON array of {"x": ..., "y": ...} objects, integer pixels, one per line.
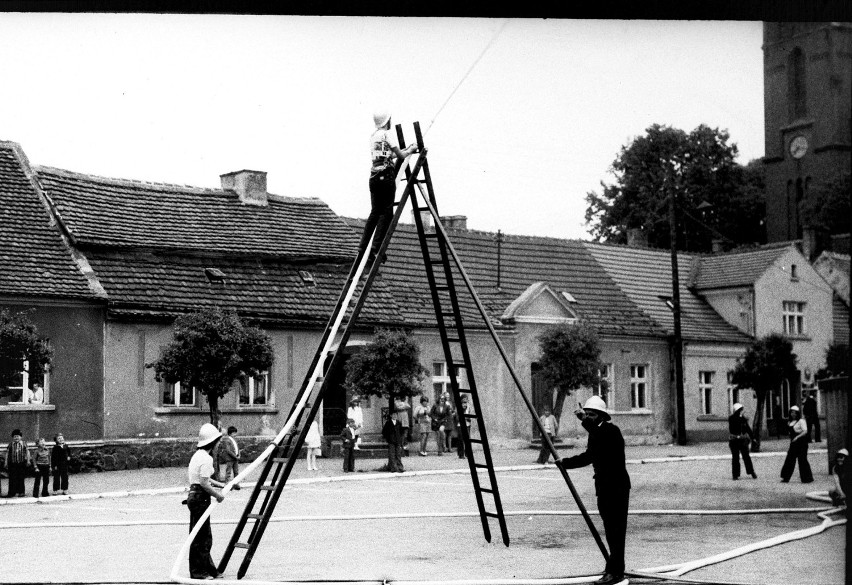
[
  {"x": 241, "y": 523},
  {"x": 333, "y": 367},
  {"x": 448, "y": 355},
  {"x": 439, "y": 226}
]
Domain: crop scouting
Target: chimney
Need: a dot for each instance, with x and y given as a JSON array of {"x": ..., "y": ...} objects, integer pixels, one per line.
[
  {"x": 455, "y": 222},
  {"x": 250, "y": 186},
  {"x": 636, "y": 238},
  {"x": 813, "y": 241},
  {"x": 425, "y": 217}
]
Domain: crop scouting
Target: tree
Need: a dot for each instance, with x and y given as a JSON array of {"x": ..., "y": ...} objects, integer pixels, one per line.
[
  {"x": 827, "y": 205},
  {"x": 19, "y": 342},
  {"x": 765, "y": 365},
  {"x": 717, "y": 198},
  {"x": 210, "y": 350},
  {"x": 836, "y": 360},
  {"x": 570, "y": 359},
  {"x": 389, "y": 366}
]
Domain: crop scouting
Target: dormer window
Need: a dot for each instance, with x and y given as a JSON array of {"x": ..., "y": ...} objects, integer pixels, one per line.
[
  {"x": 307, "y": 277},
  {"x": 214, "y": 275}
]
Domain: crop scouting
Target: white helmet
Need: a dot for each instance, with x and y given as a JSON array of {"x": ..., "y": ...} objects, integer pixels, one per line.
[
  {"x": 737, "y": 406},
  {"x": 207, "y": 434},
  {"x": 794, "y": 408},
  {"x": 381, "y": 118},
  {"x": 596, "y": 403}
]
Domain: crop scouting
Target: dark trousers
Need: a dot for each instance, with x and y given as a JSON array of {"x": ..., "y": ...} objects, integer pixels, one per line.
[
  {"x": 42, "y": 476},
  {"x": 382, "y": 192},
  {"x": 60, "y": 479},
  {"x": 798, "y": 451},
  {"x": 200, "y": 562},
  {"x": 395, "y": 458},
  {"x": 740, "y": 447},
  {"x": 612, "y": 505},
  {"x": 460, "y": 442},
  {"x": 17, "y": 472},
  {"x": 349, "y": 457},
  {"x": 813, "y": 429},
  {"x": 544, "y": 454}
]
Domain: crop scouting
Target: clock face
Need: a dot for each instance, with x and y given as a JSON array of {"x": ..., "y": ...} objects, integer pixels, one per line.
[{"x": 798, "y": 146}]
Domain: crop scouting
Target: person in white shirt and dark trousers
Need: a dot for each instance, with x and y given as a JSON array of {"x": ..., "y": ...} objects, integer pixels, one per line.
[{"x": 551, "y": 427}]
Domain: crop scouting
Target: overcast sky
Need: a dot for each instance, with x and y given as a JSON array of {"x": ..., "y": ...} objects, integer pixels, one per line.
[{"x": 513, "y": 145}]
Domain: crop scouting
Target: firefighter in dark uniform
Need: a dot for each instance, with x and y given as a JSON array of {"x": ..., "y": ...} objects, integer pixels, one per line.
[
  {"x": 739, "y": 441},
  {"x": 605, "y": 452}
]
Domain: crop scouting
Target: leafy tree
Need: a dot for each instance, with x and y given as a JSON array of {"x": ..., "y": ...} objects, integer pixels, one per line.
[
  {"x": 836, "y": 361},
  {"x": 717, "y": 198},
  {"x": 827, "y": 205},
  {"x": 210, "y": 350},
  {"x": 388, "y": 367},
  {"x": 766, "y": 364},
  {"x": 570, "y": 359},
  {"x": 19, "y": 341}
]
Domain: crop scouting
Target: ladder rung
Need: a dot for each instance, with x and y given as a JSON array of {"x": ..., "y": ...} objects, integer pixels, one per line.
[
  {"x": 441, "y": 287},
  {"x": 241, "y": 545},
  {"x": 453, "y": 339},
  {"x": 491, "y": 514},
  {"x": 431, "y": 235},
  {"x": 476, "y": 441},
  {"x": 480, "y": 466},
  {"x": 486, "y": 490},
  {"x": 470, "y": 416},
  {"x": 433, "y": 261}
]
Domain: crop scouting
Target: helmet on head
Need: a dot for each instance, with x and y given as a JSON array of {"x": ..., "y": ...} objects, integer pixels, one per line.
[
  {"x": 844, "y": 452},
  {"x": 794, "y": 409},
  {"x": 737, "y": 407},
  {"x": 596, "y": 403},
  {"x": 381, "y": 118},
  {"x": 207, "y": 434}
]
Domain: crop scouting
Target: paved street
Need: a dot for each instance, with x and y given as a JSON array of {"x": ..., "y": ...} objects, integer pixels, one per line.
[{"x": 447, "y": 546}]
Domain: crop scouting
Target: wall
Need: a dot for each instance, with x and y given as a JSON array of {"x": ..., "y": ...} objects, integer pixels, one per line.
[
  {"x": 75, "y": 396},
  {"x": 735, "y": 305},
  {"x": 132, "y": 406}
]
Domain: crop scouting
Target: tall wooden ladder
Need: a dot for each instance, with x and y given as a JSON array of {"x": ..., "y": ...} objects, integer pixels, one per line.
[{"x": 433, "y": 245}]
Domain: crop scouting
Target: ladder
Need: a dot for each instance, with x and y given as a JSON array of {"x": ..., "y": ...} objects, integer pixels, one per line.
[{"x": 433, "y": 245}]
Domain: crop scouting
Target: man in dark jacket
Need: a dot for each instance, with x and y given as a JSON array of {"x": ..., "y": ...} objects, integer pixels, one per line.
[
  {"x": 392, "y": 433},
  {"x": 605, "y": 451},
  {"x": 739, "y": 440},
  {"x": 809, "y": 410}
]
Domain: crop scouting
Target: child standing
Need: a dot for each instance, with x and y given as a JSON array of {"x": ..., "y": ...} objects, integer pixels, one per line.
[
  {"x": 229, "y": 457},
  {"x": 17, "y": 461},
  {"x": 41, "y": 462},
  {"x": 59, "y": 459},
  {"x": 313, "y": 442},
  {"x": 551, "y": 427},
  {"x": 349, "y": 437}
]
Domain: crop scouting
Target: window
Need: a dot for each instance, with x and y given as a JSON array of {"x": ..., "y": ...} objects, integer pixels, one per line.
[
  {"x": 733, "y": 391},
  {"x": 178, "y": 394},
  {"x": 254, "y": 391},
  {"x": 638, "y": 386},
  {"x": 441, "y": 379},
  {"x": 705, "y": 391},
  {"x": 606, "y": 384},
  {"x": 793, "y": 316},
  {"x": 793, "y": 273},
  {"x": 27, "y": 388},
  {"x": 796, "y": 84}
]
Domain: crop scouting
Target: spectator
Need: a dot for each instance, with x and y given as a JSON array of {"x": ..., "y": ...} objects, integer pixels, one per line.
[
  {"x": 313, "y": 443},
  {"x": 41, "y": 463},
  {"x": 392, "y": 433},
  {"x": 349, "y": 437},
  {"x": 798, "y": 450},
  {"x": 34, "y": 396},
  {"x": 229, "y": 457},
  {"x": 809, "y": 410},
  {"x": 459, "y": 420},
  {"x": 357, "y": 415},
  {"x": 59, "y": 459},
  {"x": 17, "y": 462},
  {"x": 551, "y": 428},
  {"x": 202, "y": 485},
  {"x": 441, "y": 416},
  {"x": 739, "y": 440},
  {"x": 402, "y": 407},
  {"x": 421, "y": 417},
  {"x": 840, "y": 473}
]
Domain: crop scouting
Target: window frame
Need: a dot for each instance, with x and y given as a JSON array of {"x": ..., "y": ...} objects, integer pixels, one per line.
[
  {"x": 732, "y": 391},
  {"x": 176, "y": 390},
  {"x": 705, "y": 391},
  {"x": 26, "y": 383},
  {"x": 793, "y": 317},
  {"x": 248, "y": 383},
  {"x": 635, "y": 383},
  {"x": 610, "y": 379}
]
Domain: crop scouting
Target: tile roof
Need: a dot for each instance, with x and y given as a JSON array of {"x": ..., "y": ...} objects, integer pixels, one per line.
[
  {"x": 34, "y": 260},
  {"x": 117, "y": 213},
  {"x": 266, "y": 289},
  {"x": 565, "y": 265},
  {"x": 645, "y": 276},
  {"x": 739, "y": 268}
]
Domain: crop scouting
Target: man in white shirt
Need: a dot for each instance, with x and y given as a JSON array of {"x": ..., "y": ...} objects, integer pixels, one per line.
[{"x": 201, "y": 487}]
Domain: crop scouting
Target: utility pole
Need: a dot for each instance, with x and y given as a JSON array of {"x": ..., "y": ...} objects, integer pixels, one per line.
[{"x": 678, "y": 341}]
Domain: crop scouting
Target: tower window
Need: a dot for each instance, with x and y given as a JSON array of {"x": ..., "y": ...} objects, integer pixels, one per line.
[{"x": 796, "y": 94}]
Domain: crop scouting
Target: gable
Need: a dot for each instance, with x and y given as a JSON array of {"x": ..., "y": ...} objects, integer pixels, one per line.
[{"x": 540, "y": 304}]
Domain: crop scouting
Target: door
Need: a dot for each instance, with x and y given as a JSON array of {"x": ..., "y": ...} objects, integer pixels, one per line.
[
  {"x": 542, "y": 395},
  {"x": 334, "y": 403}
]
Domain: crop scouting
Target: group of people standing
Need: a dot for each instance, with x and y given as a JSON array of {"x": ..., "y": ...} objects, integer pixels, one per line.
[
  {"x": 442, "y": 419},
  {"x": 42, "y": 461}
]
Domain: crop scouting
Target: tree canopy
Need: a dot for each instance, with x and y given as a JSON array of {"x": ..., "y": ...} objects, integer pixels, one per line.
[
  {"x": 570, "y": 359},
  {"x": 766, "y": 364},
  {"x": 389, "y": 366},
  {"x": 717, "y": 198},
  {"x": 210, "y": 350},
  {"x": 827, "y": 205},
  {"x": 19, "y": 341}
]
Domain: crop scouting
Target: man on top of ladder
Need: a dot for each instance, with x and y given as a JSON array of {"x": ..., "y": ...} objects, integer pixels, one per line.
[{"x": 384, "y": 151}]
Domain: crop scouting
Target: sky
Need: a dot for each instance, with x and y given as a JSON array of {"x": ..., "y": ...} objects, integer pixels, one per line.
[{"x": 523, "y": 117}]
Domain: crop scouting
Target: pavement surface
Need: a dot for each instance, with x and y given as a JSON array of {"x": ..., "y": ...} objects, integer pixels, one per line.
[{"x": 423, "y": 524}]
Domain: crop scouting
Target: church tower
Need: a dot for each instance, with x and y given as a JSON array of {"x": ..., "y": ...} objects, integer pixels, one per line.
[{"x": 807, "y": 114}]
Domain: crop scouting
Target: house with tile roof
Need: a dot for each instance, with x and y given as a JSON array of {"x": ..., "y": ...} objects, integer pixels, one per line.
[
  {"x": 834, "y": 268},
  {"x": 42, "y": 274}
]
